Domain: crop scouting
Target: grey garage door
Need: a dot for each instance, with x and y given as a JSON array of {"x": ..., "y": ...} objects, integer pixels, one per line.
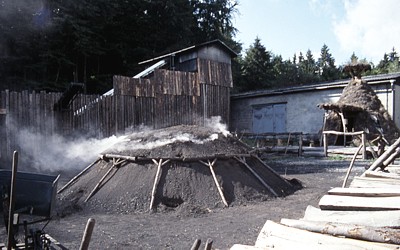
[{"x": 269, "y": 118}]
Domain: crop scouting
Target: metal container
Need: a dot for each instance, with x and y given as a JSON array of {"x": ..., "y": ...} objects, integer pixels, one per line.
[{"x": 35, "y": 194}]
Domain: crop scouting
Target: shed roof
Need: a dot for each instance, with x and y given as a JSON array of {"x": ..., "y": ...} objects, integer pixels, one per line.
[
  {"x": 376, "y": 79},
  {"x": 216, "y": 42}
]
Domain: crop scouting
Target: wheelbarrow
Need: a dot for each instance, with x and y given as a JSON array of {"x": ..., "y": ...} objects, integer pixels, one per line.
[{"x": 31, "y": 194}]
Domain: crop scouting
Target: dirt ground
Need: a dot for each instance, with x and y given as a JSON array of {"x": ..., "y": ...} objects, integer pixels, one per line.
[{"x": 225, "y": 226}]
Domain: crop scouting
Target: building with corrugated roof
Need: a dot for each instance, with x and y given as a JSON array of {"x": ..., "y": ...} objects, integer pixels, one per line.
[{"x": 295, "y": 109}]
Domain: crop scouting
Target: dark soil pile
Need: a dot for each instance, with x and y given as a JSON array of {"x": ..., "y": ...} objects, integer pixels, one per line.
[
  {"x": 180, "y": 142},
  {"x": 367, "y": 111},
  {"x": 186, "y": 183}
]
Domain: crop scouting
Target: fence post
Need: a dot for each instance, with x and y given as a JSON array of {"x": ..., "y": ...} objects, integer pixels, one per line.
[
  {"x": 325, "y": 145},
  {"x": 301, "y": 144},
  {"x": 363, "y": 141}
]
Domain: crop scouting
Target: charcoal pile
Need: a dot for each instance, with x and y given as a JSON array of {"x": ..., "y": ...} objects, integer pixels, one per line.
[{"x": 188, "y": 168}]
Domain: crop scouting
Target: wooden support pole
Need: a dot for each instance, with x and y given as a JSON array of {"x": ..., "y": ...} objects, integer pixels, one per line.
[
  {"x": 156, "y": 180},
  {"x": 325, "y": 145},
  {"x": 326, "y": 114},
  {"x": 10, "y": 234},
  {"x": 125, "y": 157},
  {"x": 196, "y": 244},
  {"x": 364, "y": 144},
  {"x": 344, "y": 128},
  {"x": 351, "y": 165},
  {"x": 102, "y": 179},
  {"x": 87, "y": 234},
  {"x": 391, "y": 158},
  {"x": 300, "y": 144},
  {"x": 379, "y": 162},
  {"x": 342, "y": 133},
  {"x": 243, "y": 161},
  {"x": 78, "y": 175},
  {"x": 208, "y": 245},
  {"x": 164, "y": 162},
  {"x": 221, "y": 193},
  {"x": 287, "y": 143}
]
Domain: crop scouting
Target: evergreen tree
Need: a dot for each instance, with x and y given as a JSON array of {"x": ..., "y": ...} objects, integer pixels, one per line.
[
  {"x": 257, "y": 68},
  {"x": 389, "y": 64},
  {"x": 213, "y": 19},
  {"x": 284, "y": 72},
  {"x": 307, "y": 69},
  {"x": 47, "y": 44},
  {"x": 326, "y": 65}
]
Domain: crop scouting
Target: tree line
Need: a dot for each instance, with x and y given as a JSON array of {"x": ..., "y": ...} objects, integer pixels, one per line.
[
  {"x": 261, "y": 69},
  {"x": 45, "y": 45}
]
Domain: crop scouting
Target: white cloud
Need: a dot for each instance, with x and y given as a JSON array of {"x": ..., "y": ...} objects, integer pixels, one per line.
[{"x": 369, "y": 28}]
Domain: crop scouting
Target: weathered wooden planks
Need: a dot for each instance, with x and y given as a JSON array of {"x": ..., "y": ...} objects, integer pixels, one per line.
[
  {"x": 367, "y": 182},
  {"x": 277, "y": 236},
  {"x": 376, "y": 174},
  {"x": 368, "y": 233},
  {"x": 365, "y": 218},
  {"x": 341, "y": 202},
  {"x": 365, "y": 192},
  {"x": 167, "y": 98}
]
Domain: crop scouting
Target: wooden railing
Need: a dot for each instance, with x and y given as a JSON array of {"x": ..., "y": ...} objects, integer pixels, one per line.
[
  {"x": 344, "y": 134},
  {"x": 273, "y": 140}
]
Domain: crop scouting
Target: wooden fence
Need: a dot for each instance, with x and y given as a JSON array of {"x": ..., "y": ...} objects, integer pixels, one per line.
[{"x": 169, "y": 98}]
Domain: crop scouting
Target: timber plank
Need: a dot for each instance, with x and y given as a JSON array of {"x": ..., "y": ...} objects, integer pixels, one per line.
[
  {"x": 352, "y": 231},
  {"x": 283, "y": 237},
  {"x": 362, "y": 182},
  {"x": 376, "y": 174},
  {"x": 365, "y": 192},
  {"x": 393, "y": 169},
  {"x": 340, "y": 202},
  {"x": 364, "y": 218}
]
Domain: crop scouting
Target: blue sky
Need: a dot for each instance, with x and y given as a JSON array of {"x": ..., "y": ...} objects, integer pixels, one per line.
[{"x": 369, "y": 28}]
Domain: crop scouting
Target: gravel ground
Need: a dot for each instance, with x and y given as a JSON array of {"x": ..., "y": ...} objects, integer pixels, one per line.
[{"x": 225, "y": 226}]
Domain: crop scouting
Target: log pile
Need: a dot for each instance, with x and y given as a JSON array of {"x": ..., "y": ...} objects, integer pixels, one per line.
[{"x": 365, "y": 215}]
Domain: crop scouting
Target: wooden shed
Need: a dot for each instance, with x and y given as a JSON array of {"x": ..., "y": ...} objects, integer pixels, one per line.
[{"x": 183, "y": 87}]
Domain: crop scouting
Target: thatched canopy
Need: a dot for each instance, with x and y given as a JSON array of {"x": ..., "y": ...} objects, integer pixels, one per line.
[
  {"x": 355, "y": 70},
  {"x": 181, "y": 167}
]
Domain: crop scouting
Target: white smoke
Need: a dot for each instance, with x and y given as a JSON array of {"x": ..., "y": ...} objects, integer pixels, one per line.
[
  {"x": 56, "y": 153},
  {"x": 164, "y": 137},
  {"x": 215, "y": 122}
]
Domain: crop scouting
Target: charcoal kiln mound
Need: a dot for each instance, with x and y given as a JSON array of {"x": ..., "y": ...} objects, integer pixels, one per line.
[
  {"x": 363, "y": 111},
  {"x": 178, "y": 168}
]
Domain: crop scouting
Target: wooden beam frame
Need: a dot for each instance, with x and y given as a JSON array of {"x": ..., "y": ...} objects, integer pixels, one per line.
[{"x": 220, "y": 191}]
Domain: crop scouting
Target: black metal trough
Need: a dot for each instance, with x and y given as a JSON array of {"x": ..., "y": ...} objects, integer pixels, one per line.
[{"x": 35, "y": 194}]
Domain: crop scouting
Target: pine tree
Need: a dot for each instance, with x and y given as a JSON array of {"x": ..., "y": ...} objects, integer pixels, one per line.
[
  {"x": 326, "y": 65},
  {"x": 257, "y": 68}
]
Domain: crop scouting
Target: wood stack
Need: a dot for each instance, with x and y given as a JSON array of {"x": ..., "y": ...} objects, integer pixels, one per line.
[{"x": 366, "y": 215}]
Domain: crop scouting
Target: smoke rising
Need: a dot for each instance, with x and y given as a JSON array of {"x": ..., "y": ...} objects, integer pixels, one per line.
[
  {"x": 55, "y": 153},
  {"x": 160, "y": 138},
  {"x": 215, "y": 123}
]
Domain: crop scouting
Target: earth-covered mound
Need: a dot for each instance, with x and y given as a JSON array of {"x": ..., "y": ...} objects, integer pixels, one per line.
[{"x": 183, "y": 168}]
